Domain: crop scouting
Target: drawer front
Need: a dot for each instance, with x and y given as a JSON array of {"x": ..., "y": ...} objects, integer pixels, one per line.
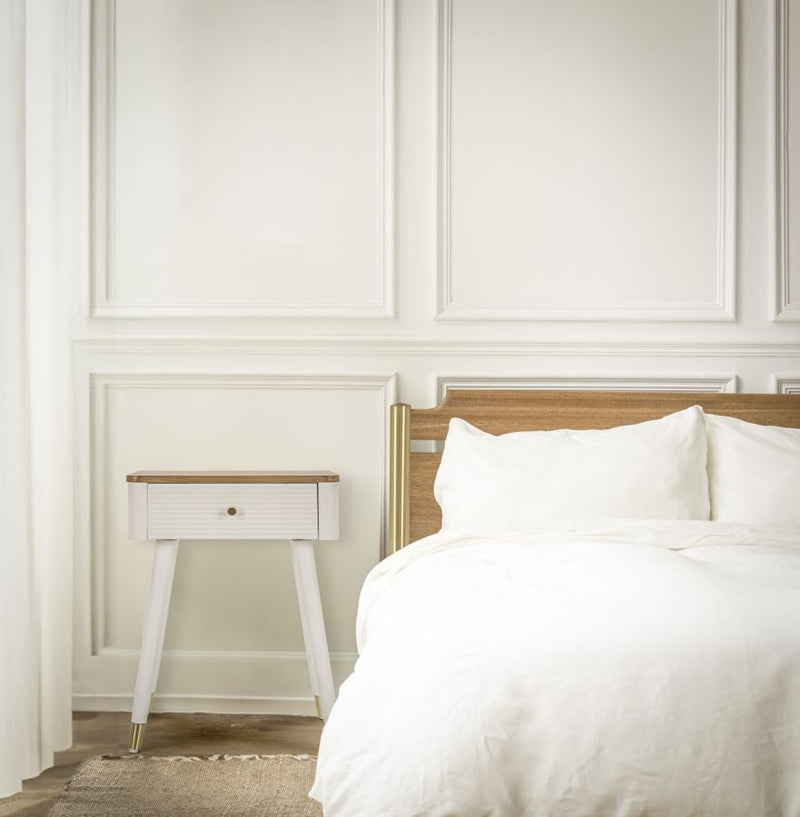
[{"x": 197, "y": 511}]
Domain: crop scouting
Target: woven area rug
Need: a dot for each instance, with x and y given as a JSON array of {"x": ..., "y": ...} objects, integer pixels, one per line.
[{"x": 222, "y": 785}]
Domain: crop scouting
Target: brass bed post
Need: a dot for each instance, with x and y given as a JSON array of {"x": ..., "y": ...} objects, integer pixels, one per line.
[{"x": 399, "y": 471}]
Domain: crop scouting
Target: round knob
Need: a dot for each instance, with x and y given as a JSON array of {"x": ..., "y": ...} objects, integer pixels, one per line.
[{"x": 231, "y": 511}]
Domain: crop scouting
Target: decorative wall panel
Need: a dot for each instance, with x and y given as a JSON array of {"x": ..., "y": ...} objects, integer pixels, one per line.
[
  {"x": 587, "y": 160},
  {"x": 231, "y": 600},
  {"x": 242, "y": 158}
]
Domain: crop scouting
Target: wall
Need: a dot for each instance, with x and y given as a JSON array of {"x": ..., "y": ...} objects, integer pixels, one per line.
[{"x": 294, "y": 213}]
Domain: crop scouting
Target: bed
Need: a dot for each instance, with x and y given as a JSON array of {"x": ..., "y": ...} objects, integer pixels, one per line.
[{"x": 598, "y": 614}]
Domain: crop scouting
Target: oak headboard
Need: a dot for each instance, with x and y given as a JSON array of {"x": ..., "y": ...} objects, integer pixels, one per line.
[{"x": 413, "y": 511}]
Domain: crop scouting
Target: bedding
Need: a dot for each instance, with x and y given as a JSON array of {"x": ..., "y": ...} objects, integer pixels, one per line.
[
  {"x": 512, "y": 482},
  {"x": 616, "y": 669},
  {"x": 754, "y": 472}
]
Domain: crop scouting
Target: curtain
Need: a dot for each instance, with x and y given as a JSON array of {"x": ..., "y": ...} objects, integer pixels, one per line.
[{"x": 35, "y": 429}]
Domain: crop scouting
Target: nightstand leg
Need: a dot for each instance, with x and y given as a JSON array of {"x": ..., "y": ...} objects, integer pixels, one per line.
[
  {"x": 319, "y": 661},
  {"x": 155, "y": 626}
]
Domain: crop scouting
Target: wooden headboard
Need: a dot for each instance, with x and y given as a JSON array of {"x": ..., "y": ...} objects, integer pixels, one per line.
[{"x": 413, "y": 511}]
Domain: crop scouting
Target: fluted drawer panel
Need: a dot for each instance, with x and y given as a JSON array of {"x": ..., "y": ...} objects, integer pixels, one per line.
[{"x": 200, "y": 511}]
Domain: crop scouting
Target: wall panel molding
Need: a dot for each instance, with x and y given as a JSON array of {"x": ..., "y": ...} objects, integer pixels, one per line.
[
  {"x": 103, "y": 304},
  {"x": 99, "y": 665},
  {"x": 99, "y": 387},
  {"x": 787, "y": 384},
  {"x": 700, "y": 384},
  {"x": 785, "y": 308},
  {"x": 723, "y": 307}
]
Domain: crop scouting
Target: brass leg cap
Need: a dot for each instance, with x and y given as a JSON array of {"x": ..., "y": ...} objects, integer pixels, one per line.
[
  {"x": 319, "y": 706},
  {"x": 137, "y": 730}
]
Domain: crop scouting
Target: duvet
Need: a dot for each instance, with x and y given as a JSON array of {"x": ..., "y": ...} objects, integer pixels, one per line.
[{"x": 616, "y": 670}]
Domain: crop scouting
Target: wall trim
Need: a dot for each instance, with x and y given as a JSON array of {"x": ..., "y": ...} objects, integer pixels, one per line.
[
  {"x": 786, "y": 384},
  {"x": 199, "y": 346},
  {"x": 92, "y": 484},
  {"x": 103, "y": 304},
  {"x": 219, "y": 704},
  {"x": 722, "y": 309},
  {"x": 99, "y": 385},
  {"x": 785, "y": 309},
  {"x": 700, "y": 384}
]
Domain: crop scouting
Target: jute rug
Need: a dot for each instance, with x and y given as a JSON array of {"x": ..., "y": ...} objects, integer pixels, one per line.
[{"x": 222, "y": 786}]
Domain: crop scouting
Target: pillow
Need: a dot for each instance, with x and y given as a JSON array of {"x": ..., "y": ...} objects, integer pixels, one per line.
[
  {"x": 753, "y": 472},
  {"x": 495, "y": 485}
]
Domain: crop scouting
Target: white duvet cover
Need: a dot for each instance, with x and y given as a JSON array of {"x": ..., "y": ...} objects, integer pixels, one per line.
[{"x": 620, "y": 670}]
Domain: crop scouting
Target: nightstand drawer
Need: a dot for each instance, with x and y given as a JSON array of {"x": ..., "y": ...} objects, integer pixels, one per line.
[{"x": 232, "y": 511}]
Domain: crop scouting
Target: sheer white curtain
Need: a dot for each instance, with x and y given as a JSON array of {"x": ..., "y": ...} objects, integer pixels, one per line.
[{"x": 35, "y": 430}]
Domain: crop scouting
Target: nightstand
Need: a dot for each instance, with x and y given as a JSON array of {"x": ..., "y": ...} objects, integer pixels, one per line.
[{"x": 168, "y": 506}]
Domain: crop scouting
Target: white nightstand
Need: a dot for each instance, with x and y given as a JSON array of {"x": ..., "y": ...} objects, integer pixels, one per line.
[{"x": 172, "y": 505}]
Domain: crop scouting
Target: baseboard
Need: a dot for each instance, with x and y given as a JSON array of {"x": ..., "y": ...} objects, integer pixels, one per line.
[{"x": 222, "y": 704}]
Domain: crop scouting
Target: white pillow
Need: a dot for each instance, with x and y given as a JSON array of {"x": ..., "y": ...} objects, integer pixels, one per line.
[
  {"x": 511, "y": 483},
  {"x": 753, "y": 472}
]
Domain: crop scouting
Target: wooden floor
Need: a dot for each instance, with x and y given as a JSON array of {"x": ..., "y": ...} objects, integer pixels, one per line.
[{"x": 106, "y": 733}]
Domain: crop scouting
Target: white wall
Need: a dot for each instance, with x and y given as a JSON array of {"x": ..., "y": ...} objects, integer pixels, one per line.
[{"x": 293, "y": 213}]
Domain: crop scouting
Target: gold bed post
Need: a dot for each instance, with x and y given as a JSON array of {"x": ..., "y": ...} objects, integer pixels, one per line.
[{"x": 399, "y": 462}]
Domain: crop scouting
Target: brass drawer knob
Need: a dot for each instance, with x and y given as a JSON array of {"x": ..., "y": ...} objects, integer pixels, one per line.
[{"x": 231, "y": 511}]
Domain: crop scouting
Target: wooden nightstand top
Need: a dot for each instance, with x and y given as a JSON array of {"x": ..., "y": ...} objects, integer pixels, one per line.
[{"x": 223, "y": 477}]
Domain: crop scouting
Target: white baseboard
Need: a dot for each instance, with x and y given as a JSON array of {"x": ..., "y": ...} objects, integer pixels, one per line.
[{"x": 221, "y": 704}]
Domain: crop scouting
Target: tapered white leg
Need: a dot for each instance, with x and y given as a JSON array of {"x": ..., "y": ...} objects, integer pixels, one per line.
[
  {"x": 164, "y": 609},
  {"x": 155, "y": 626},
  {"x": 319, "y": 661}
]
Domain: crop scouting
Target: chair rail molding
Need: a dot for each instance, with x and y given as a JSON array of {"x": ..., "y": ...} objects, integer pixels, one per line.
[{"x": 424, "y": 345}]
